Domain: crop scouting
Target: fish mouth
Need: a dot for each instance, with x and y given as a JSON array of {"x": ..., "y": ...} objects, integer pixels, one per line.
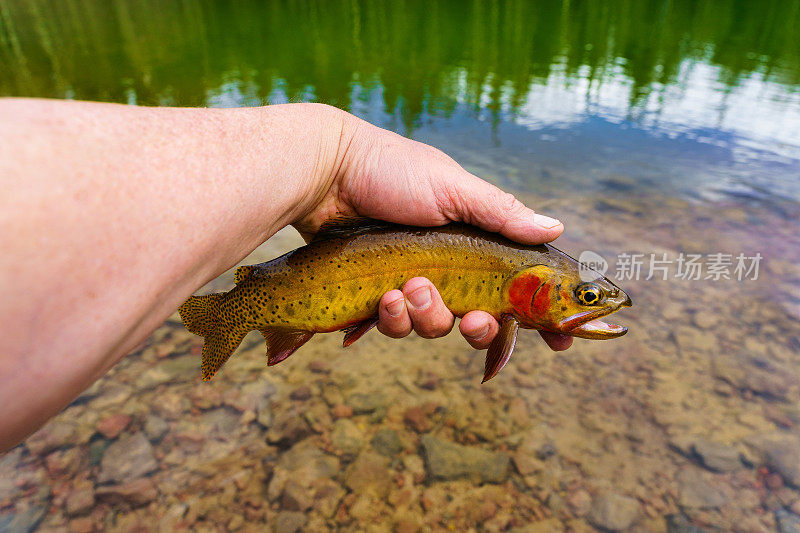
[
  {"x": 598, "y": 329},
  {"x": 587, "y": 325}
]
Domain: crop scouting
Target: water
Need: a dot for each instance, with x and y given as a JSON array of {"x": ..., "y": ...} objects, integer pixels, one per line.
[{"x": 648, "y": 127}]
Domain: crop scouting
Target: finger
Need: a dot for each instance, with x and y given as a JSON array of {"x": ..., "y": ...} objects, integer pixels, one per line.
[
  {"x": 429, "y": 316},
  {"x": 479, "y": 328},
  {"x": 472, "y": 200},
  {"x": 556, "y": 341},
  {"x": 393, "y": 319}
]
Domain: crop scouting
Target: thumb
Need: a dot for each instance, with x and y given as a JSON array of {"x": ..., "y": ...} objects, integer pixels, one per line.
[{"x": 477, "y": 202}]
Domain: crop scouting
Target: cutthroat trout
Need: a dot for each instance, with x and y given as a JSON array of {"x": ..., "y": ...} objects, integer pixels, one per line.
[{"x": 336, "y": 282}]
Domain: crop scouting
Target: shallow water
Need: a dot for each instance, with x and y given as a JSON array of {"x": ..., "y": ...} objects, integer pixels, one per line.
[{"x": 647, "y": 127}]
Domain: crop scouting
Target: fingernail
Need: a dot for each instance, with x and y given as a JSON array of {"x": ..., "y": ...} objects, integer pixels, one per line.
[
  {"x": 420, "y": 298},
  {"x": 395, "y": 308},
  {"x": 545, "y": 221},
  {"x": 480, "y": 334}
]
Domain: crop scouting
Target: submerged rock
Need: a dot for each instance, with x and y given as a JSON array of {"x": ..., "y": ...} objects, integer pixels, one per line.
[
  {"x": 155, "y": 427},
  {"x": 111, "y": 426},
  {"x": 367, "y": 403},
  {"x": 387, "y": 442},
  {"x": 181, "y": 368},
  {"x": 304, "y": 463},
  {"x": 56, "y": 434},
  {"x": 221, "y": 421},
  {"x": 447, "y": 460},
  {"x": 80, "y": 501},
  {"x": 347, "y": 437},
  {"x": 716, "y": 456},
  {"x": 287, "y": 428},
  {"x": 135, "y": 493},
  {"x": 787, "y": 522},
  {"x": 369, "y": 473},
  {"x": 678, "y": 523},
  {"x": 128, "y": 458},
  {"x": 613, "y": 512},
  {"x": 696, "y": 492},
  {"x": 25, "y": 521},
  {"x": 783, "y": 456},
  {"x": 290, "y": 521}
]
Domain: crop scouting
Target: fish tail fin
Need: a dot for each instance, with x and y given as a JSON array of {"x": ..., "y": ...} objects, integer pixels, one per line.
[{"x": 201, "y": 316}]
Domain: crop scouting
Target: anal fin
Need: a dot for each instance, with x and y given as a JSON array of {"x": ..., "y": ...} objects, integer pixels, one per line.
[
  {"x": 282, "y": 343},
  {"x": 354, "y": 332},
  {"x": 501, "y": 348}
]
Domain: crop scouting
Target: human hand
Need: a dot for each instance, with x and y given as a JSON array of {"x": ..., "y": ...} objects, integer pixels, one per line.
[{"x": 379, "y": 174}]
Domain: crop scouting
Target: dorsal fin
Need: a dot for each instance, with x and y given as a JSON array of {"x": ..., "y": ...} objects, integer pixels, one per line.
[
  {"x": 242, "y": 272},
  {"x": 347, "y": 226}
]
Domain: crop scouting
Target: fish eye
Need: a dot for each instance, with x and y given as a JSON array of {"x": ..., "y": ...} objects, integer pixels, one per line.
[{"x": 589, "y": 294}]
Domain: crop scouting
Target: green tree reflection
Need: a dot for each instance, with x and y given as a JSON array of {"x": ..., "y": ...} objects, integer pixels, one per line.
[{"x": 425, "y": 56}]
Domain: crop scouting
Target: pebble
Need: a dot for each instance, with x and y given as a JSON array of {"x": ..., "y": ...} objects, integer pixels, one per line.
[
  {"x": 387, "y": 442},
  {"x": 83, "y": 524},
  {"x": 128, "y": 458},
  {"x": 301, "y": 393},
  {"x": 548, "y": 525},
  {"x": 136, "y": 493},
  {"x": 678, "y": 523},
  {"x": 341, "y": 410},
  {"x": 253, "y": 396},
  {"x": 61, "y": 462},
  {"x": 287, "y": 428},
  {"x": 111, "y": 426},
  {"x": 418, "y": 419},
  {"x": 415, "y": 466},
  {"x": 181, "y": 368},
  {"x": 787, "y": 522},
  {"x": 155, "y": 427},
  {"x": 80, "y": 501},
  {"x": 304, "y": 463},
  {"x": 716, "y": 456},
  {"x": 783, "y": 456},
  {"x": 614, "y": 512},
  {"x": 113, "y": 394},
  {"x": 369, "y": 473},
  {"x": 295, "y": 497},
  {"x": 319, "y": 366},
  {"x": 221, "y": 421},
  {"x": 580, "y": 502},
  {"x": 290, "y": 521},
  {"x": 55, "y": 434},
  {"x": 347, "y": 437},
  {"x": 447, "y": 460},
  {"x": 367, "y": 403},
  {"x": 96, "y": 450},
  {"x": 795, "y": 507}
]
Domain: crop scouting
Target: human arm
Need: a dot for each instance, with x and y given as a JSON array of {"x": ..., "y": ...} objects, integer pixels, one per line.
[{"x": 111, "y": 216}]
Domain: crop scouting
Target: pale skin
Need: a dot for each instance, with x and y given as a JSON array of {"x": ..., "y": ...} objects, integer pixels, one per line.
[{"x": 111, "y": 216}]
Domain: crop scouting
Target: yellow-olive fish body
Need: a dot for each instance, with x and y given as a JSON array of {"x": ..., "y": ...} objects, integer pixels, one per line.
[{"x": 337, "y": 280}]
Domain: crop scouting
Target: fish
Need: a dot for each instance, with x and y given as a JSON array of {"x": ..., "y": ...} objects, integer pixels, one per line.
[{"x": 336, "y": 281}]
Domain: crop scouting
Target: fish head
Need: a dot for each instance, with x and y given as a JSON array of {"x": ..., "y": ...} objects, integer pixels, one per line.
[{"x": 557, "y": 298}]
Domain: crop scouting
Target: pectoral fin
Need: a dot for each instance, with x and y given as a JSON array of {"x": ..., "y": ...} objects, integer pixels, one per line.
[
  {"x": 354, "y": 332},
  {"x": 282, "y": 343},
  {"x": 501, "y": 348}
]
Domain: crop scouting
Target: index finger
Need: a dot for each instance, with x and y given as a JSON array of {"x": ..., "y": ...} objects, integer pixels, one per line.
[{"x": 477, "y": 202}]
